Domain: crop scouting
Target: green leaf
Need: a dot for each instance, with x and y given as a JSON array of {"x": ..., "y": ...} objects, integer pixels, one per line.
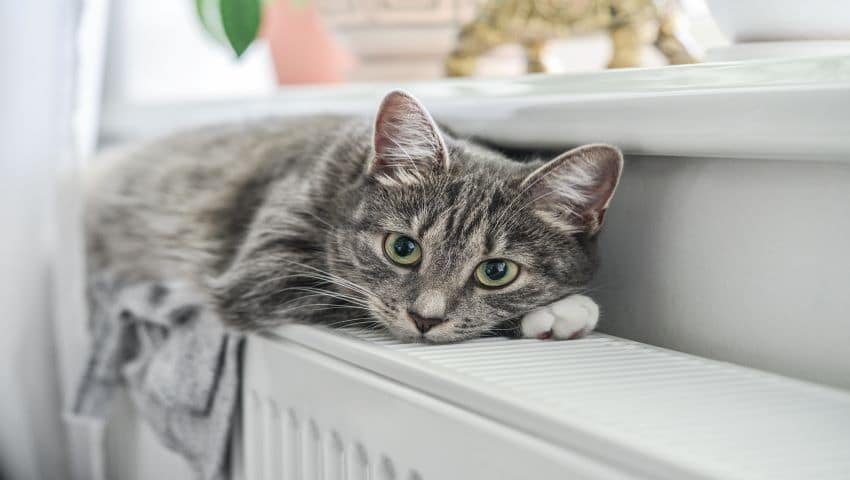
[
  {"x": 241, "y": 21},
  {"x": 210, "y": 17}
]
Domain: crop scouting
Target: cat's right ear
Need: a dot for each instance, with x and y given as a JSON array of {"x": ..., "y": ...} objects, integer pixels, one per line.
[{"x": 408, "y": 144}]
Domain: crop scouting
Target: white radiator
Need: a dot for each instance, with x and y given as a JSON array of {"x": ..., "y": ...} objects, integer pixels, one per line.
[{"x": 323, "y": 404}]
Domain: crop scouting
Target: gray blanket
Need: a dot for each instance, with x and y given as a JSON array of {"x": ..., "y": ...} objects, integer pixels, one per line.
[{"x": 179, "y": 363}]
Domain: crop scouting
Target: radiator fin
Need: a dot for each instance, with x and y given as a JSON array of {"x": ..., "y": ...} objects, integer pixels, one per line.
[
  {"x": 387, "y": 471},
  {"x": 288, "y": 449},
  {"x": 336, "y": 458},
  {"x": 360, "y": 463},
  {"x": 274, "y": 429},
  {"x": 292, "y": 449},
  {"x": 313, "y": 453}
]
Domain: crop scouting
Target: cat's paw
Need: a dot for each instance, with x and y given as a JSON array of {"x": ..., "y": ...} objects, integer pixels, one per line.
[{"x": 568, "y": 318}]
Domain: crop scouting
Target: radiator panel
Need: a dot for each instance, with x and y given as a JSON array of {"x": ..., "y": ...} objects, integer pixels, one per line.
[
  {"x": 310, "y": 416},
  {"x": 601, "y": 407}
]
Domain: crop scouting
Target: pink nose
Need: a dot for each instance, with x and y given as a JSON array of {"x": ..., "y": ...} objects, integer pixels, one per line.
[{"x": 424, "y": 324}]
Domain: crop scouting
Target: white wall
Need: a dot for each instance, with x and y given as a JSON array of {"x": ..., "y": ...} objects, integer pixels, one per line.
[{"x": 740, "y": 260}]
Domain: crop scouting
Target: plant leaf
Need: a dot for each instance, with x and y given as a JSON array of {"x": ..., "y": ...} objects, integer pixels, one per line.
[
  {"x": 241, "y": 21},
  {"x": 210, "y": 17}
]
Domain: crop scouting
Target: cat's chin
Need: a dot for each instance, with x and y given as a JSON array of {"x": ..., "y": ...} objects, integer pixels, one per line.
[
  {"x": 407, "y": 336},
  {"x": 433, "y": 337}
]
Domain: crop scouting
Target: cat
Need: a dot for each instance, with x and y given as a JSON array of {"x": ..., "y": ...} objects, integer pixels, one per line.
[{"x": 392, "y": 224}]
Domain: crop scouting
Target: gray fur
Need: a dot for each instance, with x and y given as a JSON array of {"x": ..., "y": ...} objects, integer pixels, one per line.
[{"x": 283, "y": 220}]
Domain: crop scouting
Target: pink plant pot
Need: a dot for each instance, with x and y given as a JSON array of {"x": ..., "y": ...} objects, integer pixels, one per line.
[{"x": 303, "y": 49}]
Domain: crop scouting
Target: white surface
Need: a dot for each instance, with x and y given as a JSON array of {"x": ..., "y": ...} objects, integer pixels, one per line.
[
  {"x": 757, "y": 20},
  {"x": 734, "y": 259},
  {"x": 763, "y": 50},
  {"x": 600, "y": 407},
  {"x": 782, "y": 109}
]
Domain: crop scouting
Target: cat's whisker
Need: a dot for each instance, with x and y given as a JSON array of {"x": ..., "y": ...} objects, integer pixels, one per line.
[
  {"x": 348, "y": 299},
  {"x": 316, "y": 290},
  {"x": 366, "y": 321},
  {"x": 350, "y": 319},
  {"x": 295, "y": 301},
  {"x": 335, "y": 281},
  {"x": 321, "y": 307},
  {"x": 355, "y": 322},
  {"x": 331, "y": 293},
  {"x": 330, "y": 275}
]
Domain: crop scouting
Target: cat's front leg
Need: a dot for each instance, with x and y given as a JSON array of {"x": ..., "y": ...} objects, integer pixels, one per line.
[{"x": 566, "y": 319}]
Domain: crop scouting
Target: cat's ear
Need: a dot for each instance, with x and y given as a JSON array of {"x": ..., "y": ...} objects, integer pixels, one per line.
[
  {"x": 573, "y": 190},
  {"x": 408, "y": 143}
]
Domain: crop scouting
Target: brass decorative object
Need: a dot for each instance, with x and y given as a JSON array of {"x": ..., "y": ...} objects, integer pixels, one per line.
[{"x": 632, "y": 24}]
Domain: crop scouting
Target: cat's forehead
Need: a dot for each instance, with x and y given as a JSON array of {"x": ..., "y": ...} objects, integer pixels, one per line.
[{"x": 473, "y": 213}]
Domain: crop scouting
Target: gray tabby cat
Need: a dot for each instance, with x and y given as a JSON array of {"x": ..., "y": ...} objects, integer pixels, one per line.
[{"x": 394, "y": 224}]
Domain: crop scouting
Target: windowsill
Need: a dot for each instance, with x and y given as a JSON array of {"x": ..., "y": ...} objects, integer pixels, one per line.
[{"x": 773, "y": 109}]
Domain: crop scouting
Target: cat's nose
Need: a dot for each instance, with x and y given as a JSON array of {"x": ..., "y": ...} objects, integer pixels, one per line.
[{"x": 423, "y": 324}]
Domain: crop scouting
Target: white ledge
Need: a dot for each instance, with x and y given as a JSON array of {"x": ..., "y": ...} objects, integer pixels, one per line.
[{"x": 779, "y": 109}]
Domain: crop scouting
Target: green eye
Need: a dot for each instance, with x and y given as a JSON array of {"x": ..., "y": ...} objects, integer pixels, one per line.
[
  {"x": 496, "y": 273},
  {"x": 402, "y": 249}
]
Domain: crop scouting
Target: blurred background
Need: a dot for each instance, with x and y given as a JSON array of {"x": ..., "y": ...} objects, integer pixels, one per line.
[{"x": 158, "y": 50}]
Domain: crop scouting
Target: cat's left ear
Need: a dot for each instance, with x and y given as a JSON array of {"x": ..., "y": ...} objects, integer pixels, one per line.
[
  {"x": 408, "y": 143},
  {"x": 573, "y": 190}
]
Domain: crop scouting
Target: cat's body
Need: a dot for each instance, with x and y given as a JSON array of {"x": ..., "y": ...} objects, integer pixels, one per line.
[
  {"x": 284, "y": 220},
  {"x": 184, "y": 205}
]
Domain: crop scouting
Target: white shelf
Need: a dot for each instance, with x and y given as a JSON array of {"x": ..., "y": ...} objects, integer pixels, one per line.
[
  {"x": 775, "y": 109},
  {"x": 639, "y": 410}
]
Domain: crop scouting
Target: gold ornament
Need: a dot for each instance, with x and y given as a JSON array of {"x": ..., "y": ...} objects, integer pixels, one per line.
[{"x": 632, "y": 24}]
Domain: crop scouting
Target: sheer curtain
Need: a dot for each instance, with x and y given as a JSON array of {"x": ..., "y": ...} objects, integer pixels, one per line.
[{"x": 49, "y": 86}]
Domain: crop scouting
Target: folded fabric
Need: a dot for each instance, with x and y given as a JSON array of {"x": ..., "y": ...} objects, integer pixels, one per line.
[{"x": 179, "y": 363}]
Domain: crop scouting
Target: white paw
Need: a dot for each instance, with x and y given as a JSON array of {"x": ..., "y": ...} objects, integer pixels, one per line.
[{"x": 570, "y": 317}]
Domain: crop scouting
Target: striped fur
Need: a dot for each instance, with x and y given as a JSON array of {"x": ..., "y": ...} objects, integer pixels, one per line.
[{"x": 284, "y": 220}]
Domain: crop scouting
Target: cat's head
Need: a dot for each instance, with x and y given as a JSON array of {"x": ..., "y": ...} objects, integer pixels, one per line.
[{"x": 452, "y": 240}]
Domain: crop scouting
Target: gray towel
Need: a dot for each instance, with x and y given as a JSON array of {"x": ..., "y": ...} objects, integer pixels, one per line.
[{"x": 180, "y": 364}]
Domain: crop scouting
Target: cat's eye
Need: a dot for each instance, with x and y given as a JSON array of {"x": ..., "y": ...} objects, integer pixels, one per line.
[
  {"x": 402, "y": 250},
  {"x": 496, "y": 273}
]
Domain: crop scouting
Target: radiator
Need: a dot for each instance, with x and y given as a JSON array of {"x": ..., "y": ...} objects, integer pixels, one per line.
[{"x": 342, "y": 404}]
